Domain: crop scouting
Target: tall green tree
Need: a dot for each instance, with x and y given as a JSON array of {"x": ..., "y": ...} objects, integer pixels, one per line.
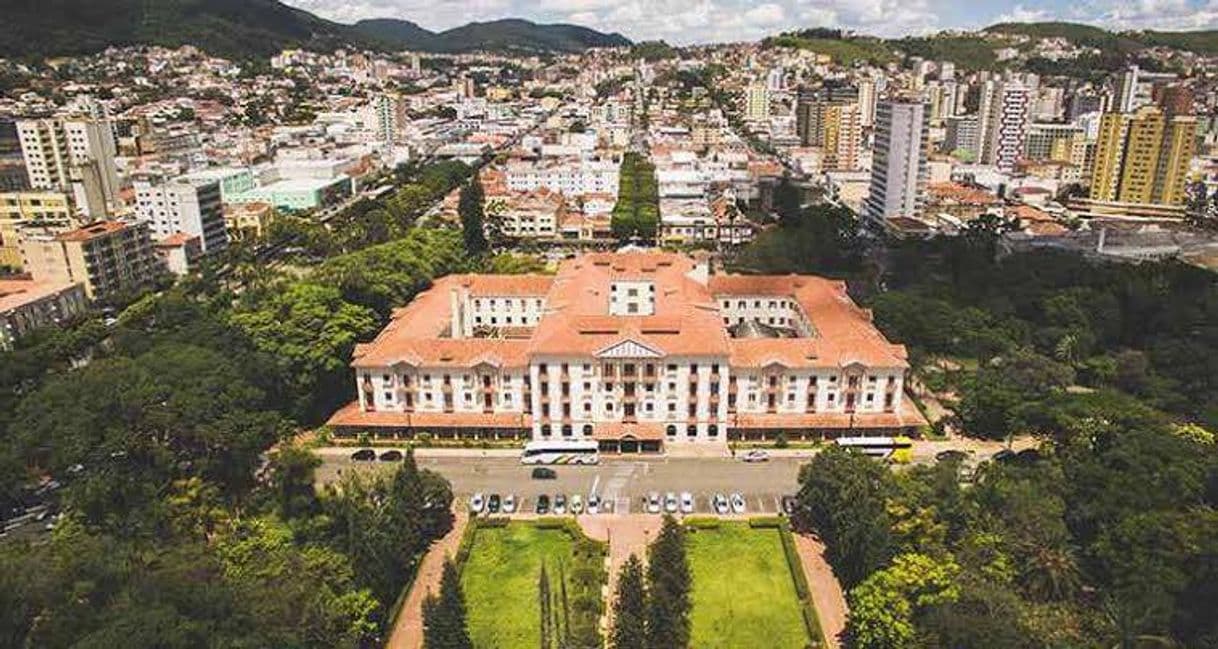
[
  {"x": 470, "y": 209},
  {"x": 842, "y": 498},
  {"x": 668, "y": 588},
  {"x": 444, "y": 623},
  {"x": 630, "y": 608}
]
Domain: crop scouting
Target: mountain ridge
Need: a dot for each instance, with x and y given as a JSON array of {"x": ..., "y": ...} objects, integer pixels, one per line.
[{"x": 247, "y": 28}]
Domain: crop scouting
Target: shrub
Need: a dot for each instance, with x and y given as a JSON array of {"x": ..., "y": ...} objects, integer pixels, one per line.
[
  {"x": 702, "y": 523},
  {"x": 767, "y": 522}
]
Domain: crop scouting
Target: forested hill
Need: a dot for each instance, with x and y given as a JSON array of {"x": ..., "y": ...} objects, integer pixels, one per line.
[
  {"x": 249, "y": 28},
  {"x": 510, "y": 34}
]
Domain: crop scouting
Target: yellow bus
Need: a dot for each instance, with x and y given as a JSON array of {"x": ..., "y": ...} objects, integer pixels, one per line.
[{"x": 898, "y": 450}]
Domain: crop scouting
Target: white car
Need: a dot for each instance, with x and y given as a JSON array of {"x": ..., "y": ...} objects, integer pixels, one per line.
[
  {"x": 687, "y": 502},
  {"x": 509, "y": 504},
  {"x": 670, "y": 503},
  {"x": 477, "y": 502},
  {"x": 738, "y": 505},
  {"x": 653, "y": 503},
  {"x": 721, "y": 506},
  {"x": 594, "y": 504},
  {"x": 756, "y": 455},
  {"x": 577, "y": 504}
]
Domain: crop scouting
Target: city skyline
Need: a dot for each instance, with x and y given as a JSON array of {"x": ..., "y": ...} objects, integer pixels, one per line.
[{"x": 710, "y": 21}]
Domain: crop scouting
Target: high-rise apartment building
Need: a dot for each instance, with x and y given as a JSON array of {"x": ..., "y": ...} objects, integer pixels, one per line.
[
  {"x": 75, "y": 155},
  {"x": 1005, "y": 110},
  {"x": 106, "y": 256},
  {"x": 898, "y": 168},
  {"x": 835, "y": 127},
  {"x": 184, "y": 204},
  {"x": 963, "y": 134},
  {"x": 757, "y": 102},
  {"x": 1143, "y": 157}
]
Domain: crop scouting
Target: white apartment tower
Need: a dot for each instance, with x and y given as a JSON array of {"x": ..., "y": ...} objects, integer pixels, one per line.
[
  {"x": 74, "y": 155},
  {"x": 1005, "y": 111},
  {"x": 757, "y": 102},
  {"x": 183, "y": 204},
  {"x": 898, "y": 170}
]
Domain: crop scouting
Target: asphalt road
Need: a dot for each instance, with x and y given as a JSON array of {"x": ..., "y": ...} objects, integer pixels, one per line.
[{"x": 625, "y": 481}]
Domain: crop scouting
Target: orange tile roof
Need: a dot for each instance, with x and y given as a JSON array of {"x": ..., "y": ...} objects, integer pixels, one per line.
[
  {"x": 351, "y": 415},
  {"x": 908, "y": 416},
  {"x": 93, "y": 230},
  {"x": 16, "y": 293},
  {"x": 687, "y": 320}
]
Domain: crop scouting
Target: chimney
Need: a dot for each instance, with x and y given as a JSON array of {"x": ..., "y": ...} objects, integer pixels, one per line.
[
  {"x": 467, "y": 323},
  {"x": 455, "y": 329}
]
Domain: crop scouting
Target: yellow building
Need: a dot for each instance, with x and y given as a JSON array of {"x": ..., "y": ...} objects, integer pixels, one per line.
[
  {"x": 20, "y": 208},
  {"x": 248, "y": 220},
  {"x": 1143, "y": 157}
]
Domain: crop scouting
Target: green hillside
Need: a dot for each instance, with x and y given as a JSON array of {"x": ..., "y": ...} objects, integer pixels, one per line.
[
  {"x": 255, "y": 28},
  {"x": 234, "y": 28}
]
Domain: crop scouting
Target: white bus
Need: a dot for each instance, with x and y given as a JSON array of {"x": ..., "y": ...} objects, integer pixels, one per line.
[
  {"x": 896, "y": 449},
  {"x": 561, "y": 452}
]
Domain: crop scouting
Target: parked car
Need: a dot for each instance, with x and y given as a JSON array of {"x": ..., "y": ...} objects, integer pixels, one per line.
[
  {"x": 789, "y": 503},
  {"x": 543, "y": 504},
  {"x": 653, "y": 503},
  {"x": 544, "y": 473},
  {"x": 509, "y": 504},
  {"x": 392, "y": 455},
  {"x": 687, "y": 502},
  {"x": 721, "y": 505},
  {"x": 951, "y": 455},
  {"x": 671, "y": 505},
  {"x": 577, "y": 504},
  {"x": 364, "y": 455},
  {"x": 756, "y": 455},
  {"x": 738, "y": 505},
  {"x": 477, "y": 502},
  {"x": 1005, "y": 455},
  {"x": 492, "y": 504},
  {"x": 560, "y": 504},
  {"x": 594, "y": 504}
]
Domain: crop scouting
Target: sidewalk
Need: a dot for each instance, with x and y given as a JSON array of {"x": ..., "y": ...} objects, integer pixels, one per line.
[
  {"x": 627, "y": 534},
  {"x": 407, "y": 632},
  {"x": 827, "y": 595}
]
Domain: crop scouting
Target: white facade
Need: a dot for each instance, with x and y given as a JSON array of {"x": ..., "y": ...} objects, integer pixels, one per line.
[
  {"x": 898, "y": 170},
  {"x": 183, "y": 205},
  {"x": 74, "y": 155},
  {"x": 569, "y": 177},
  {"x": 1005, "y": 113}
]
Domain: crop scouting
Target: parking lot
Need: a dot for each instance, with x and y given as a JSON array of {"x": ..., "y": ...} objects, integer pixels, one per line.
[{"x": 625, "y": 482}]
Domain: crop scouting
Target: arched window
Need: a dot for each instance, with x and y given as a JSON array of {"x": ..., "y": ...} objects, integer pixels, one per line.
[
  {"x": 691, "y": 431},
  {"x": 712, "y": 430},
  {"x": 588, "y": 430},
  {"x": 545, "y": 430},
  {"x": 566, "y": 430},
  {"x": 672, "y": 430}
]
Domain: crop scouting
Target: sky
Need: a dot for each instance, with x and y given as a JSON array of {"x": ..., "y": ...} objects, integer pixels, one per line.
[{"x": 704, "y": 21}]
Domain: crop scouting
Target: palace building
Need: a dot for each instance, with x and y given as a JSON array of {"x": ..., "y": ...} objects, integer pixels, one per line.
[{"x": 635, "y": 350}]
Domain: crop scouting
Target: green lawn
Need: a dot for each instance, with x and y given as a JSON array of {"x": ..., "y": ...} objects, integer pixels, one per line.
[
  {"x": 500, "y": 583},
  {"x": 743, "y": 595}
]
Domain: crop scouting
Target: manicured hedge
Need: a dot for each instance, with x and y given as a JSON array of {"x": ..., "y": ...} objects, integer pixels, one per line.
[{"x": 702, "y": 522}]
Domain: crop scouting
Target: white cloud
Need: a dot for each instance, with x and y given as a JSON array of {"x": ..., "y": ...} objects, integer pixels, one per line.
[{"x": 1022, "y": 14}]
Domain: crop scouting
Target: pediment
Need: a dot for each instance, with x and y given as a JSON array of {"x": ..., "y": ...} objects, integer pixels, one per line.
[{"x": 629, "y": 348}]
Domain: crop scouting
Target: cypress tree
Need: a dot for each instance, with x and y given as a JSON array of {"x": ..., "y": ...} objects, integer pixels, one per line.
[
  {"x": 668, "y": 584},
  {"x": 543, "y": 600},
  {"x": 469, "y": 208},
  {"x": 444, "y": 624},
  {"x": 630, "y": 608}
]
